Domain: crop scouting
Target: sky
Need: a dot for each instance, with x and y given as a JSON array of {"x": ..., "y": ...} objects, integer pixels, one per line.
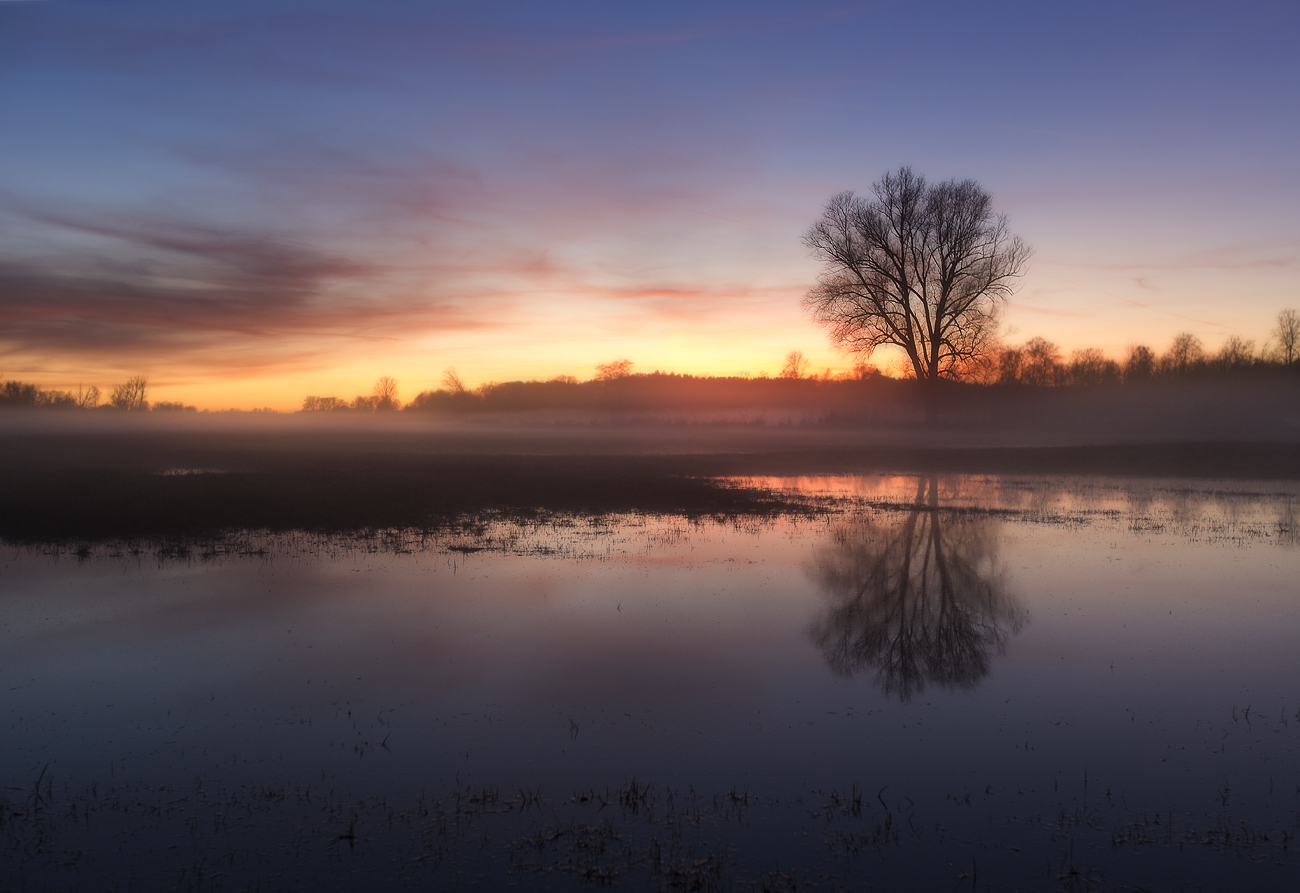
[{"x": 250, "y": 202}]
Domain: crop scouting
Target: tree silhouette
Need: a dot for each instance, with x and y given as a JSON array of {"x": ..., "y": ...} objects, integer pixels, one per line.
[
  {"x": 796, "y": 365},
  {"x": 130, "y": 395},
  {"x": 1141, "y": 363},
  {"x": 451, "y": 381},
  {"x": 1089, "y": 366},
  {"x": 87, "y": 398},
  {"x": 1287, "y": 333},
  {"x": 613, "y": 369},
  {"x": 385, "y": 394},
  {"x": 1236, "y": 353},
  {"x": 1042, "y": 362},
  {"x": 919, "y": 600},
  {"x": 921, "y": 267},
  {"x": 1185, "y": 354}
]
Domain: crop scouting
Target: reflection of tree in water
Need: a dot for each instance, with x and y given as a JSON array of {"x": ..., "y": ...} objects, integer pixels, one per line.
[{"x": 920, "y": 600}]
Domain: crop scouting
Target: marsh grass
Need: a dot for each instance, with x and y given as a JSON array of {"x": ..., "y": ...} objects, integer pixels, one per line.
[{"x": 636, "y": 835}]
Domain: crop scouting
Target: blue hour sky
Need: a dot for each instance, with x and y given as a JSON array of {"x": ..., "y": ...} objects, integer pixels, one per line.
[{"x": 249, "y": 202}]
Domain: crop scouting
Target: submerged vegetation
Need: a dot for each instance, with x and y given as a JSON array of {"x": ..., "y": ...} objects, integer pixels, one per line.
[
  {"x": 317, "y": 834},
  {"x": 342, "y": 782}
]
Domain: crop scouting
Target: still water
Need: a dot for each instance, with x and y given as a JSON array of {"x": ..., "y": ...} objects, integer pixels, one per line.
[{"x": 957, "y": 682}]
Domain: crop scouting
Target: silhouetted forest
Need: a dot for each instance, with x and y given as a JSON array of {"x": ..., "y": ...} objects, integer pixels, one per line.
[
  {"x": 1036, "y": 364},
  {"x": 1003, "y": 377},
  {"x": 129, "y": 396}
]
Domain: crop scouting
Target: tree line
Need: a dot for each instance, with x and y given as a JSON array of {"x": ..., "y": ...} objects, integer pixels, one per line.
[
  {"x": 129, "y": 396},
  {"x": 1039, "y": 362}
]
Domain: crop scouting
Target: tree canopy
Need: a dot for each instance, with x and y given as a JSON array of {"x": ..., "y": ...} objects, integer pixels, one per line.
[{"x": 921, "y": 267}]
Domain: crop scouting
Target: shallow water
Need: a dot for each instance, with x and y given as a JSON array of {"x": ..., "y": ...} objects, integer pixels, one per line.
[{"x": 994, "y": 682}]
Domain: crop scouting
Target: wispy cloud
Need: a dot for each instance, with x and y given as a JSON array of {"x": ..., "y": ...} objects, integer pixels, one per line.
[{"x": 155, "y": 288}]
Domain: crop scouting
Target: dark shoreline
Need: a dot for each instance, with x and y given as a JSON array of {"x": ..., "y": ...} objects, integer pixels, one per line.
[{"x": 70, "y": 487}]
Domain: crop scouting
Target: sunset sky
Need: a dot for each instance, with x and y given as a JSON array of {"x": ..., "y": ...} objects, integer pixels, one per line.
[{"x": 251, "y": 202}]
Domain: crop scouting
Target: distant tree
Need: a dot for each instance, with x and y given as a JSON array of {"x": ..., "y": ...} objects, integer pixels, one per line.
[
  {"x": 1089, "y": 366},
  {"x": 921, "y": 267},
  {"x": 19, "y": 393},
  {"x": 613, "y": 369},
  {"x": 1287, "y": 333},
  {"x": 1184, "y": 355},
  {"x": 451, "y": 381},
  {"x": 796, "y": 365},
  {"x": 1237, "y": 353},
  {"x": 1041, "y": 364},
  {"x": 1007, "y": 365},
  {"x": 365, "y": 404},
  {"x": 864, "y": 372},
  {"x": 1141, "y": 363},
  {"x": 87, "y": 398},
  {"x": 130, "y": 395},
  {"x": 323, "y": 404},
  {"x": 168, "y": 406},
  {"x": 56, "y": 399},
  {"x": 26, "y": 394},
  {"x": 385, "y": 394}
]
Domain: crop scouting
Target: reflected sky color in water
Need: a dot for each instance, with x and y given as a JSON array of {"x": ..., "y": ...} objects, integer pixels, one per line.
[{"x": 943, "y": 639}]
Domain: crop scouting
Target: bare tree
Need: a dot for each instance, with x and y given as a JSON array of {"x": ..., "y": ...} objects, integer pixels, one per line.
[
  {"x": 864, "y": 372},
  {"x": 1185, "y": 354},
  {"x": 1236, "y": 353},
  {"x": 921, "y": 267},
  {"x": 19, "y": 393},
  {"x": 1042, "y": 362},
  {"x": 451, "y": 381},
  {"x": 323, "y": 404},
  {"x": 130, "y": 395},
  {"x": 1089, "y": 366},
  {"x": 1287, "y": 334},
  {"x": 87, "y": 398},
  {"x": 1141, "y": 363},
  {"x": 796, "y": 365},
  {"x": 385, "y": 393},
  {"x": 613, "y": 369},
  {"x": 1010, "y": 361}
]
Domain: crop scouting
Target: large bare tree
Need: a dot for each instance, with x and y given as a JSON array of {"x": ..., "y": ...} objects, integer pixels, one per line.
[{"x": 921, "y": 267}]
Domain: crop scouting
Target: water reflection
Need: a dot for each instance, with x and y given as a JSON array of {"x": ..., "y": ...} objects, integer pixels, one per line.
[{"x": 920, "y": 599}]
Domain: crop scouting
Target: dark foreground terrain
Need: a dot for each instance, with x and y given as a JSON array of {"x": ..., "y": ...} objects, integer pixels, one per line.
[
  {"x": 205, "y": 478},
  {"x": 267, "y": 654}
]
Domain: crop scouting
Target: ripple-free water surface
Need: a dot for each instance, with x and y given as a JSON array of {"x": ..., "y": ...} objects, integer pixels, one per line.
[{"x": 951, "y": 682}]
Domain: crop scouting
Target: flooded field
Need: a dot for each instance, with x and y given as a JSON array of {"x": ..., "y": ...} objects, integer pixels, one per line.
[{"x": 949, "y": 682}]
